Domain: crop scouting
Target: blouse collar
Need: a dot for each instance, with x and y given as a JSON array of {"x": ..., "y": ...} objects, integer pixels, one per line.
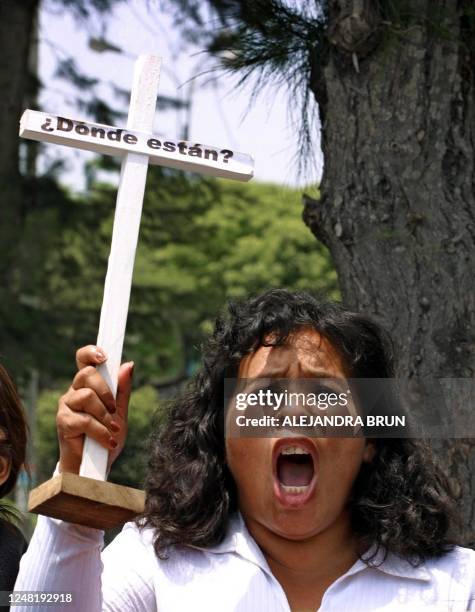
[{"x": 239, "y": 541}]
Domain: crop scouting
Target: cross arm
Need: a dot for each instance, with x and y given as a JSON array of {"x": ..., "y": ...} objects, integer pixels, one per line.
[{"x": 162, "y": 151}]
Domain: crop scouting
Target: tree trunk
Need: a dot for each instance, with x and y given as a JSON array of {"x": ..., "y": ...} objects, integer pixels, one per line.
[
  {"x": 16, "y": 22},
  {"x": 397, "y": 206}
]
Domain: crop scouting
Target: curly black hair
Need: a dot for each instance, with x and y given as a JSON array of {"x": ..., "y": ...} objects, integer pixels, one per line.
[{"x": 401, "y": 501}]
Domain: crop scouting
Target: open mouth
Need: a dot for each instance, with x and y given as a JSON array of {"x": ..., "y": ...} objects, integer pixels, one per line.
[{"x": 294, "y": 470}]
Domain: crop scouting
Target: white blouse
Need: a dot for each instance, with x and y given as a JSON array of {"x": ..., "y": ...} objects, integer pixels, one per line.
[{"x": 233, "y": 576}]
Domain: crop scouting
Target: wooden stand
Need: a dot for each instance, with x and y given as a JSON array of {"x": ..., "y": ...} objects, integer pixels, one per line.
[{"x": 86, "y": 501}]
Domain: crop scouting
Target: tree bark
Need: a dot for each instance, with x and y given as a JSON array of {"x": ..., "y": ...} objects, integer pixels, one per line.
[
  {"x": 16, "y": 22},
  {"x": 397, "y": 205}
]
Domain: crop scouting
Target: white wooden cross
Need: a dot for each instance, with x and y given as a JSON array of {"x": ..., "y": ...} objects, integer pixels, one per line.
[{"x": 138, "y": 147}]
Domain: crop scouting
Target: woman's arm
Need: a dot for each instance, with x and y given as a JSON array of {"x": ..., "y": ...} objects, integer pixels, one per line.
[{"x": 66, "y": 558}]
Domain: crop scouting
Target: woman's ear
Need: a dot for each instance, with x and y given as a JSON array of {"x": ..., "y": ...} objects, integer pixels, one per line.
[
  {"x": 5, "y": 467},
  {"x": 369, "y": 451}
]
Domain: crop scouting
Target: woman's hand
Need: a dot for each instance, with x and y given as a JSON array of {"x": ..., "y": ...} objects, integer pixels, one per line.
[{"x": 88, "y": 408}]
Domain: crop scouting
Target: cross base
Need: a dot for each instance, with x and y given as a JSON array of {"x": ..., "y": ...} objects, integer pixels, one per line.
[{"x": 86, "y": 501}]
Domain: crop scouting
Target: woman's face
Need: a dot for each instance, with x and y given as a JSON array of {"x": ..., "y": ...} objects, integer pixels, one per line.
[{"x": 303, "y": 501}]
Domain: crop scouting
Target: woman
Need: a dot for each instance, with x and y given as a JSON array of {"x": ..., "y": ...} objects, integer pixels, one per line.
[
  {"x": 13, "y": 436},
  {"x": 230, "y": 523}
]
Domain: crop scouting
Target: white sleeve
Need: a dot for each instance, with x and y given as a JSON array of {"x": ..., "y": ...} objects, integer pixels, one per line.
[
  {"x": 471, "y": 603},
  {"x": 127, "y": 578},
  {"x": 67, "y": 558}
]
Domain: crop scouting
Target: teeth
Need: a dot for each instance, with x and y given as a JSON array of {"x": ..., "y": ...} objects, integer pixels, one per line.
[
  {"x": 294, "y": 450},
  {"x": 294, "y": 490}
]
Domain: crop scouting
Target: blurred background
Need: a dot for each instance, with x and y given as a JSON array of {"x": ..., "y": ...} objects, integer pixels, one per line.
[
  {"x": 202, "y": 240},
  {"x": 360, "y": 117}
]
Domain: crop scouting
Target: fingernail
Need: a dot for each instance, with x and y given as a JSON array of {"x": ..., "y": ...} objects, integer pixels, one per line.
[
  {"x": 113, "y": 443},
  {"x": 132, "y": 366},
  {"x": 114, "y": 426},
  {"x": 100, "y": 355}
]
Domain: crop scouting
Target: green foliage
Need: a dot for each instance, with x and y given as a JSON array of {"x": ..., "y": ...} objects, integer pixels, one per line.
[
  {"x": 28, "y": 320},
  {"x": 45, "y": 438},
  {"x": 202, "y": 242}
]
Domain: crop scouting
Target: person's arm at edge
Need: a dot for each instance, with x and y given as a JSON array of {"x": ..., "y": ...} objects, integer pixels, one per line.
[
  {"x": 66, "y": 558},
  {"x": 63, "y": 557}
]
